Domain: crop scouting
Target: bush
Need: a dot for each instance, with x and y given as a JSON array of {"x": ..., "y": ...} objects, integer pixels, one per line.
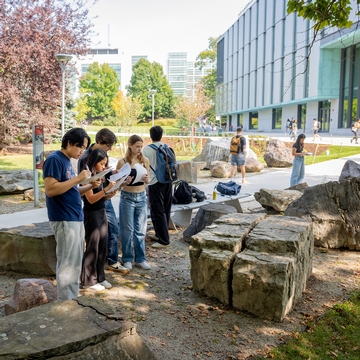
[
  {"x": 98, "y": 123},
  {"x": 110, "y": 121}
]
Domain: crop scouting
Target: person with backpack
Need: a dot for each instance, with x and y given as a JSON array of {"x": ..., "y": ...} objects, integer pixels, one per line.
[
  {"x": 316, "y": 128},
  {"x": 238, "y": 150},
  {"x": 132, "y": 206},
  {"x": 160, "y": 187},
  {"x": 355, "y": 130}
]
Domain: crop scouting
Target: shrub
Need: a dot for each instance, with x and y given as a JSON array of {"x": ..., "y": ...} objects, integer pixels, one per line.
[{"x": 98, "y": 123}]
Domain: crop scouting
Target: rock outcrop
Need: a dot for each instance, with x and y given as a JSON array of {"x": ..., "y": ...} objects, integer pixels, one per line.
[
  {"x": 15, "y": 182},
  {"x": 254, "y": 263},
  {"x": 220, "y": 169},
  {"x": 29, "y": 249},
  {"x": 334, "y": 209},
  {"x": 29, "y": 293},
  {"x": 349, "y": 170},
  {"x": 277, "y": 154},
  {"x": 279, "y": 200}
]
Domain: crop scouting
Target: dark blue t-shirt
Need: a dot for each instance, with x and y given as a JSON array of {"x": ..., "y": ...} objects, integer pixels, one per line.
[{"x": 67, "y": 206}]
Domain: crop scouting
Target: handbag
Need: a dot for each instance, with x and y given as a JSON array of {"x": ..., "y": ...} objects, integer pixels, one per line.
[{"x": 228, "y": 188}]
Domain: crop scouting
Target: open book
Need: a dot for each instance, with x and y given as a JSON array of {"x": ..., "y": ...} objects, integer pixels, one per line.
[{"x": 95, "y": 177}]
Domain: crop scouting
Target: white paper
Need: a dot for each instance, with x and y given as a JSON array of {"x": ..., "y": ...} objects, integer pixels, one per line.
[
  {"x": 118, "y": 184},
  {"x": 95, "y": 177},
  {"x": 124, "y": 171},
  {"x": 140, "y": 172}
]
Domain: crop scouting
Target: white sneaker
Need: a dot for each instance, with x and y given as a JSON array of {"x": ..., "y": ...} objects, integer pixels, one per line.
[
  {"x": 118, "y": 267},
  {"x": 106, "y": 284},
  {"x": 128, "y": 265},
  {"x": 96, "y": 287},
  {"x": 144, "y": 265}
]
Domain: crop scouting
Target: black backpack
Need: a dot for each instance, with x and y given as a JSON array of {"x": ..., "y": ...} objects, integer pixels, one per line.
[
  {"x": 197, "y": 194},
  {"x": 182, "y": 193}
]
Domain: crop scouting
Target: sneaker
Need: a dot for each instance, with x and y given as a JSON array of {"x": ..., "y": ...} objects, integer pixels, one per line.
[
  {"x": 96, "y": 287},
  {"x": 106, "y": 284},
  {"x": 159, "y": 246},
  {"x": 144, "y": 265},
  {"x": 118, "y": 267},
  {"x": 153, "y": 237},
  {"x": 128, "y": 265}
]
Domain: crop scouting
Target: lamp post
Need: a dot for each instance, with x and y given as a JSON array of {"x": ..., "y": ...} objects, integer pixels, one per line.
[
  {"x": 152, "y": 92},
  {"x": 63, "y": 59}
]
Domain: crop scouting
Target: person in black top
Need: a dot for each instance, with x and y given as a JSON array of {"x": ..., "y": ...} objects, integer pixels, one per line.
[
  {"x": 298, "y": 169},
  {"x": 96, "y": 226}
]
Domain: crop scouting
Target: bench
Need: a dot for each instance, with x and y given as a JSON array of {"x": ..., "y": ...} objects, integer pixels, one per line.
[{"x": 183, "y": 213}]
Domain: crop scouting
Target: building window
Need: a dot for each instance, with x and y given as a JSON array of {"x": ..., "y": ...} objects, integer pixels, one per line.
[
  {"x": 253, "y": 121},
  {"x": 220, "y": 62},
  {"x": 277, "y": 118},
  {"x": 301, "y": 116}
]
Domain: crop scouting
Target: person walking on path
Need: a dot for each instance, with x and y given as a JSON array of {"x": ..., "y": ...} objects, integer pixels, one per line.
[
  {"x": 160, "y": 194},
  {"x": 298, "y": 167},
  {"x": 64, "y": 208},
  {"x": 105, "y": 139},
  {"x": 294, "y": 129},
  {"x": 96, "y": 226},
  {"x": 238, "y": 149},
  {"x": 132, "y": 206},
  {"x": 355, "y": 129},
  {"x": 316, "y": 128}
]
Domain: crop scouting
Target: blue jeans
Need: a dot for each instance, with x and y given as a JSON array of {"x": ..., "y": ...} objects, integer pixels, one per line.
[
  {"x": 298, "y": 171},
  {"x": 113, "y": 234},
  {"x": 133, "y": 218}
]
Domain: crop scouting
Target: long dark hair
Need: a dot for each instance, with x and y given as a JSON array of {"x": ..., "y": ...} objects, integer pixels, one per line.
[
  {"x": 297, "y": 142},
  {"x": 96, "y": 156}
]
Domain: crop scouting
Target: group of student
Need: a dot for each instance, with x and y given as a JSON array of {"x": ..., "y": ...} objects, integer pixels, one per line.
[{"x": 85, "y": 212}]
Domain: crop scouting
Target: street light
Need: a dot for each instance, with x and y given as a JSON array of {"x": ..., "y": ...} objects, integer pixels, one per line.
[
  {"x": 152, "y": 92},
  {"x": 63, "y": 59}
]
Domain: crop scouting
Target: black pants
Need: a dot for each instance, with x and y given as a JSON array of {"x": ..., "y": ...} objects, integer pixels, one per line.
[
  {"x": 160, "y": 198},
  {"x": 96, "y": 229}
]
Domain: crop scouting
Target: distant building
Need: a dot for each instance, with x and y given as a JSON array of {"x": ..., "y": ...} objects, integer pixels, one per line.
[
  {"x": 268, "y": 70},
  {"x": 136, "y": 58},
  {"x": 183, "y": 75}
]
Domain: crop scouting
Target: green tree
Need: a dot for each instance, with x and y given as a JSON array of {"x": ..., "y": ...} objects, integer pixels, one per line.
[
  {"x": 150, "y": 76},
  {"x": 323, "y": 13},
  {"x": 209, "y": 56},
  {"x": 98, "y": 87},
  {"x": 81, "y": 109},
  {"x": 127, "y": 111}
]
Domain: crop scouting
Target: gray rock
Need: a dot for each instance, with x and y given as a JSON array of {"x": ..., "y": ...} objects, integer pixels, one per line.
[
  {"x": 220, "y": 169},
  {"x": 29, "y": 249},
  {"x": 29, "y": 195},
  {"x": 15, "y": 182},
  {"x": 277, "y": 154},
  {"x": 299, "y": 187},
  {"x": 350, "y": 169},
  {"x": 252, "y": 165},
  {"x": 206, "y": 216},
  {"x": 83, "y": 328},
  {"x": 276, "y": 199},
  {"x": 188, "y": 171},
  {"x": 334, "y": 209},
  {"x": 29, "y": 293}
]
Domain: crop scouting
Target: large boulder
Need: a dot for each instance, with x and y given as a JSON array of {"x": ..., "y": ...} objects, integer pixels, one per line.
[
  {"x": 252, "y": 165},
  {"x": 334, "y": 209},
  {"x": 29, "y": 293},
  {"x": 220, "y": 169},
  {"x": 349, "y": 170},
  {"x": 218, "y": 149},
  {"x": 15, "y": 182},
  {"x": 277, "y": 154},
  {"x": 279, "y": 200}
]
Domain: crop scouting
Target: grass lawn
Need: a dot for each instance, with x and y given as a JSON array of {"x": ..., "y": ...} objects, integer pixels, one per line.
[{"x": 335, "y": 336}]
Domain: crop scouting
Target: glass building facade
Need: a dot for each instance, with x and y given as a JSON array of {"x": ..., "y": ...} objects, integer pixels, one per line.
[{"x": 269, "y": 69}]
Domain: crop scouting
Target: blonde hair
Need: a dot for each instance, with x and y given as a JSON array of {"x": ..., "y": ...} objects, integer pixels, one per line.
[{"x": 131, "y": 141}]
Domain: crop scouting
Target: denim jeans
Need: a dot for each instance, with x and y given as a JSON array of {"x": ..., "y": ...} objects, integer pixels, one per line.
[
  {"x": 298, "y": 171},
  {"x": 133, "y": 219},
  {"x": 113, "y": 234}
]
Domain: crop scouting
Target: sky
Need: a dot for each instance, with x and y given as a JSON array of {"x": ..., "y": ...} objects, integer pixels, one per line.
[{"x": 157, "y": 27}]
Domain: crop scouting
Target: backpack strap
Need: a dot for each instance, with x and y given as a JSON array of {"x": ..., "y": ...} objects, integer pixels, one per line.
[{"x": 155, "y": 148}]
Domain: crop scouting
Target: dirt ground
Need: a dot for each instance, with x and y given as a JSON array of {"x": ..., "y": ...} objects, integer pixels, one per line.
[{"x": 178, "y": 323}]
